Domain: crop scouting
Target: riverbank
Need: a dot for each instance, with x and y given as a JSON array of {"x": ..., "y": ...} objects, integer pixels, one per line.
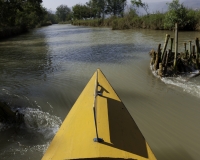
[
  {"x": 154, "y": 21},
  {"x": 11, "y": 32}
]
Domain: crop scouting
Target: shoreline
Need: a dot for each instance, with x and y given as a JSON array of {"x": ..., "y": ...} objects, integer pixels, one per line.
[
  {"x": 115, "y": 24},
  {"x": 9, "y": 32}
]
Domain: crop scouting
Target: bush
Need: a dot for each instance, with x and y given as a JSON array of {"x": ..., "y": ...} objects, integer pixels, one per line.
[
  {"x": 121, "y": 24},
  {"x": 153, "y": 21},
  {"x": 187, "y": 19}
]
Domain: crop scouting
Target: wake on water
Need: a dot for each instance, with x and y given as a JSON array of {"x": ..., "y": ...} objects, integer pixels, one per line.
[
  {"x": 185, "y": 82},
  {"x": 32, "y": 136}
]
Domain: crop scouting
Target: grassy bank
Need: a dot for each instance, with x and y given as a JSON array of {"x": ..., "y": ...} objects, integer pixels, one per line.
[
  {"x": 156, "y": 21},
  {"x": 8, "y": 32}
]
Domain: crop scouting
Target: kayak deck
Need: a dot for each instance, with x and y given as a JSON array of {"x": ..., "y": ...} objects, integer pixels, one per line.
[{"x": 122, "y": 138}]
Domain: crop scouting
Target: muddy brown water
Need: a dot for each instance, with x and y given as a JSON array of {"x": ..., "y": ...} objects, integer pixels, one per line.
[{"x": 43, "y": 72}]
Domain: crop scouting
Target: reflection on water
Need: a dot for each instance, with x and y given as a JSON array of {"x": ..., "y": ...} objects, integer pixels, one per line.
[{"x": 43, "y": 72}]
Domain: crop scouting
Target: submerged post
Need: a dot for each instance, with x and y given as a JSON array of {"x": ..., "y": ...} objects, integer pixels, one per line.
[{"x": 176, "y": 45}]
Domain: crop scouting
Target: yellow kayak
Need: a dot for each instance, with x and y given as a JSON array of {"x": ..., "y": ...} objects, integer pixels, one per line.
[{"x": 98, "y": 126}]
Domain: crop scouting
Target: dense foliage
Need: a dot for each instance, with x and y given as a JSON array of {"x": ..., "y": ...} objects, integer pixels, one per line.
[
  {"x": 178, "y": 13},
  {"x": 93, "y": 13},
  {"x": 63, "y": 13},
  {"x": 26, "y": 13},
  {"x": 98, "y": 9}
]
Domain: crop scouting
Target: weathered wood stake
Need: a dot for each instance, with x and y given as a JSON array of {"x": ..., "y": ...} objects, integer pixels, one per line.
[
  {"x": 168, "y": 63},
  {"x": 153, "y": 57},
  {"x": 190, "y": 49},
  {"x": 156, "y": 62},
  {"x": 197, "y": 55},
  {"x": 157, "y": 58},
  {"x": 172, "y": 40},
  {"x": 185, "y": 46},
  {"x": 168, "y": 55},
  {"x": 164, "y": 57},
  {"x": 193, "y": 50},
  {"x": 165, "y": 45},
  {"x": 176, "y": 46}
]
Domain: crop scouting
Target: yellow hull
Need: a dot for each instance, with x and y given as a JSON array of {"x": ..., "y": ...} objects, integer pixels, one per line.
[{"x": 122, "y": 138}]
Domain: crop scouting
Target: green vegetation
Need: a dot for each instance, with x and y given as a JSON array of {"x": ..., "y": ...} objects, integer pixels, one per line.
[
  {"x": 17, "y": 16},
  {"x": 63, "y": 14},
  {"x": 93, "y": 14},
  {"x": 187, "y": 19}
]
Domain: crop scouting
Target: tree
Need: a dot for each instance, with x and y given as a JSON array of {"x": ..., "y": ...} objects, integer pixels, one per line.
[
  {"x": 115, "y": 7},
  {"x": 81, "y": 11},
  {"x": 97, "y": 8},
  {"x": 139, "y": 3},
  {"x": 63, "y": 12},
  {"x": 27, "y": 13},
  {"x": 177, "y": 13},
  {"x": 50, "y": 16}
]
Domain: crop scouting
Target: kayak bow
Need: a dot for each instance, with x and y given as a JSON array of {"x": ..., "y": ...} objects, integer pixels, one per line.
[{"x": 99, "y": 127}]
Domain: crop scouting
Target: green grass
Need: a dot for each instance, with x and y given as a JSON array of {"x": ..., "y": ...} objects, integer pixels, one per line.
[{"x": 152, "y": 21}]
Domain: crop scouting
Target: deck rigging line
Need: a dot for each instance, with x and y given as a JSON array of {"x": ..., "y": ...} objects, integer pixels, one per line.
[{"x": 97, "y": 139}]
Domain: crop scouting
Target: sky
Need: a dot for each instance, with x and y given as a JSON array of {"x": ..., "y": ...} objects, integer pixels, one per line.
[{"x": 53, "y": 4}]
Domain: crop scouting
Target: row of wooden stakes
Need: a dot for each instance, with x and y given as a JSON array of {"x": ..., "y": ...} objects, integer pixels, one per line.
[{"x": 168, "y": 63}]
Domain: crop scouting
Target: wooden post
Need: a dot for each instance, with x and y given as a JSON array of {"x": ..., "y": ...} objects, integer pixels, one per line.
[
  {"x": 190, "y": 49},
  {"x": 159, "y": 46},
  {"x": 157, "y": 58},
  {"x": 156, "y": 62},
  {"x": 172, "y": 40},
  {"x": 185, "y": 46},
  {"x": 197, "y": 54},
  {"x": 153, "y": 57},
  {"x": 165, "y": 45},
  {"x": 164, "y": 57},
  {"x": 176, "y": 46},
  {"x": 167, "y": 59},
  {"x": 193, "y": 50},
  {"x": 168, "y": 55}
]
